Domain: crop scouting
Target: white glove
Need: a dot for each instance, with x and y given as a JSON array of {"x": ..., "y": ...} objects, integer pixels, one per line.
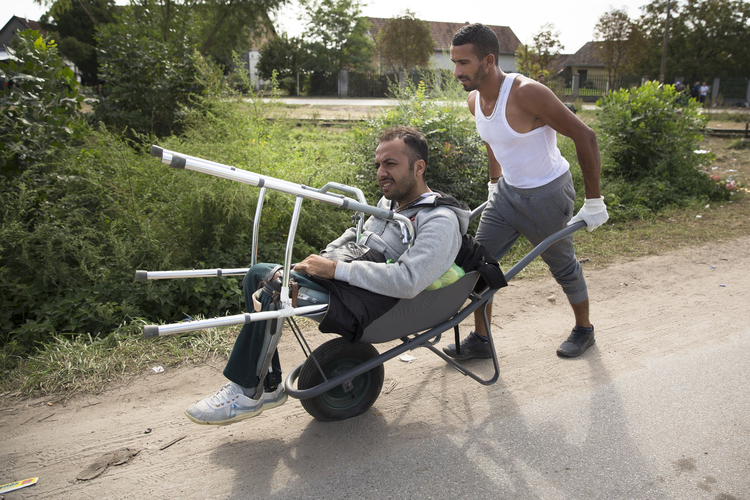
[
  {"x": 593, "y": 212},
  {"x": 492, "y": 189}
]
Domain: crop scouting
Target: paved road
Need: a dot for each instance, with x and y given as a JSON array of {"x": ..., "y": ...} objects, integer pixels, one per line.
[{"x": 676, "y": 430}]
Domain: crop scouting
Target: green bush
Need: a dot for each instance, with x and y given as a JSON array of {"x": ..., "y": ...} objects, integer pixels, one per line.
[
  {"x": 648, "y": 142},
  {"x": 73, "y": 234},
  {"x": 149, "y": 80},
  {"x": 39, "y": 111}
]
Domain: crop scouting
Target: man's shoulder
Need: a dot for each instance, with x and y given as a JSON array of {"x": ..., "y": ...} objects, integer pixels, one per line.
[{"x": 446, "y": 209}]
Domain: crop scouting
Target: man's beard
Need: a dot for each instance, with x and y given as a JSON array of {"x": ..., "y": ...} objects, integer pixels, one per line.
[{"x": 476, "y": 79}]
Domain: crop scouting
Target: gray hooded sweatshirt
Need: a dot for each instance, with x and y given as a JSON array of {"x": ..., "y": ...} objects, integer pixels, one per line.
[{"x": 439, "y": 223}]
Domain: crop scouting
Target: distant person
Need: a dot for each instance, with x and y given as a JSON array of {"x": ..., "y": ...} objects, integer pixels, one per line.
[
  {"x": 705, "y": 89},
  {"x": 531, "y": 189},
  {"x": 540, "y": 78},
  {"x": 100, "y": 88},
  {"x": 695, "y": 91}
]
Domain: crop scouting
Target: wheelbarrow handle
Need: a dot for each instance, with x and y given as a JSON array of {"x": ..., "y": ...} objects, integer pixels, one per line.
[{"x": 541, "y": 247}]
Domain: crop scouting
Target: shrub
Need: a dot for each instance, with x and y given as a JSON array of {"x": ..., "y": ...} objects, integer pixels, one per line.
[
  {"x": 39, "y": 110},
  {"x": 149, "y": 80},
  {"x": 73, "y": 234},
  {"x": 648, "y": 140}
]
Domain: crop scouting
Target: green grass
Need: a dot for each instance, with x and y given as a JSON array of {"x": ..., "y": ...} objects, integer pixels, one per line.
[
  {"x": 84, "y": 364},
  {"x": 719, "y": 115}
]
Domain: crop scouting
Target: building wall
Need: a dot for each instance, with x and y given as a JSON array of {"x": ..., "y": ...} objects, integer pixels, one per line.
[
  {"x": 590, "y": 71},
  {"x": 253, "y": 56},
  {"x": 442, "y": 60}
]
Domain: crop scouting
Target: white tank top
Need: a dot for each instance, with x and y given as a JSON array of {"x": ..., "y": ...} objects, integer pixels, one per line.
[{"x": 528, "y": 160}]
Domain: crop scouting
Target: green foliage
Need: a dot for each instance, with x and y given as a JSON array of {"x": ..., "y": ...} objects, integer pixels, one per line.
[
  {"x": 706, "y": 38},
  {"x": 74, "y": 24},
  {"x": 458, "y": 159},
  {"x": 336, "y": 37},
  {"x": 739, "y": 144},
  {"x": 85, "y": 363},
  {"x": 405, "y": 42},
  {"x": 226, "y": 27},
  {"x": 216, "y": 27},
  {"x": 546, "y": 45},
  {"x": 617, "y": 50},
  {"x": 73, "y": 234},
  {"x": 526, "y": 61},
  {"x": 39, "y": 113},
  {"x": 149, "y": 80},
  {"x": 284, "y": 56},
  {"x": 648, "y": 143}
]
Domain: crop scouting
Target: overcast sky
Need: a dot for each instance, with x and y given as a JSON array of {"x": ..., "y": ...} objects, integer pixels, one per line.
[{"x": 574, "y": 20}]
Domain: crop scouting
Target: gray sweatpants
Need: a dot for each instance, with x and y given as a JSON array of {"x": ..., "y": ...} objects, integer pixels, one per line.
[{"x": 536, "y": 213}]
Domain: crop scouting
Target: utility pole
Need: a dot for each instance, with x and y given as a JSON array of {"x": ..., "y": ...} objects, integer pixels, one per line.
[{"x": 664, "y": 48}]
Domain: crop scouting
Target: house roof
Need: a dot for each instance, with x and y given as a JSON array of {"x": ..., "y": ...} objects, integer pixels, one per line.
[
  {"x": 23, "y": 23},
  {"x": 442, "y": 33},
  {"x": 588, "y": 55},
  {"x": 13, "y": 26},
  {"x": 559, "y": 62}
]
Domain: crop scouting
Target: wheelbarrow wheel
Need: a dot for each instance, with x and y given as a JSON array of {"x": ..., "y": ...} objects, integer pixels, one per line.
[{"x": 347, "y": 400}]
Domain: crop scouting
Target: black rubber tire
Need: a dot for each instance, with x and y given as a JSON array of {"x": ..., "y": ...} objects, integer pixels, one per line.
[{"x": 337, "y": 356}]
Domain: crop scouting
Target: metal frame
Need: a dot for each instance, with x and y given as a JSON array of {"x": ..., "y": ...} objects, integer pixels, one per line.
[{"x": 360, "y": 206}]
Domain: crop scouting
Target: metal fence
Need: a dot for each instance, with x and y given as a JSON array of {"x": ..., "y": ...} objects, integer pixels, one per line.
[
  {"x": 733, "y": 88},
  {"x": 369, "y": 84},
  {"x": 374, "y": 85}
]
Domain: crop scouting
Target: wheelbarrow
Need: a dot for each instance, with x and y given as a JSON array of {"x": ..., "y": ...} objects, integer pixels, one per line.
[{"x": 340, "y": 379}]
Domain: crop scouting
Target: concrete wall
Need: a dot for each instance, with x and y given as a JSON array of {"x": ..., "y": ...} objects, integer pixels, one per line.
[{"x": 442, "y": 60}]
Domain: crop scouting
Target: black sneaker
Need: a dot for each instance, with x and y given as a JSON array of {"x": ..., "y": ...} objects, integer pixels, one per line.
[
  {"x": 473, "y": 346},
  {"x": 579, "y": 340}
]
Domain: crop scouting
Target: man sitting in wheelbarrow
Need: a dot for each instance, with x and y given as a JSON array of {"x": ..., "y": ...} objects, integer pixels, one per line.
[{"x": 439, "y": 221}]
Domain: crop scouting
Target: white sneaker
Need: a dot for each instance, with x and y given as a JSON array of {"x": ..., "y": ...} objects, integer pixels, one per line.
[{"x": 230, "y": 405}]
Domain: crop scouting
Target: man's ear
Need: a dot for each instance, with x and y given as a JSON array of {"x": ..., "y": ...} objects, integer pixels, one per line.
[
  {"x": 489, "y": 60},
  {"x": 419, "y": 168}
]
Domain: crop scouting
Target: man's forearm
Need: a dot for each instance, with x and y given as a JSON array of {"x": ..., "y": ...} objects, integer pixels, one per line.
[{"x": 587, "y": 151}]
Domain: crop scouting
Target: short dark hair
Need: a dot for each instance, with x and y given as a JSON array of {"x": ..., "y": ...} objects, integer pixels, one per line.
[
  {"x": 482, "y": 37},
  {"x": 416, "y": 145}
]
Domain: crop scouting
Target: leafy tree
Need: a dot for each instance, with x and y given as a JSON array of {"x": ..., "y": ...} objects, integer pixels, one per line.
[
  {"x": 526, "y": 60},
  {"x": 39, "y": 112},
  {"x": 217, "y": 27},
  {"x": 73, "y": 24},
  {"x": 230, "y": 25},
  {"x": 615, "y": 30},
  {"x": 150, "y": 80},
  {"x": 283, "y": 55},
  {"x": 336, "y": 37},
  {"x": 405, "y": 42},
  {"x": 707, "y": 38},
  {"x": 546, "y": 46}
]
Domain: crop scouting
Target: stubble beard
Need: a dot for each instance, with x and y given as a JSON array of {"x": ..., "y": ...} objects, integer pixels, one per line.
[{"x": 476, "y": 80}]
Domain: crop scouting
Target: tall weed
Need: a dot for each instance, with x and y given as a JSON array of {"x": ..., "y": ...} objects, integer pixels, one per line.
[{"x": 73, "y": 238}]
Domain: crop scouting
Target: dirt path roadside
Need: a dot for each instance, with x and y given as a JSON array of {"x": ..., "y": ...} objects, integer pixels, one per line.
[{"x": 670, "y": 307}]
